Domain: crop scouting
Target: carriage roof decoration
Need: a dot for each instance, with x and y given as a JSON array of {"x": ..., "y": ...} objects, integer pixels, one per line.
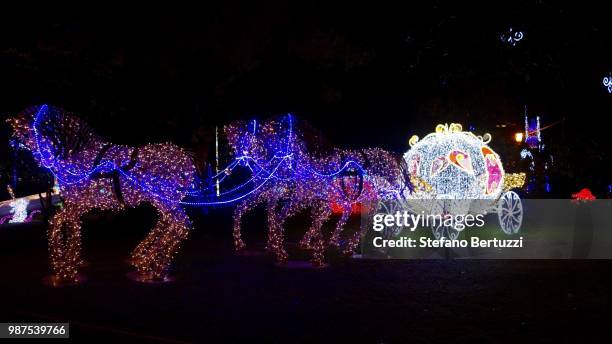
[{"x": 453, "y": 165}]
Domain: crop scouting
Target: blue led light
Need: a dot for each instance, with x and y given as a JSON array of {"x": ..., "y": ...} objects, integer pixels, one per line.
[{"x": 262, "y": 171}]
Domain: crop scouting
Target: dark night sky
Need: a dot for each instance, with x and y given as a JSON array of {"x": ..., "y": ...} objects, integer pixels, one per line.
[{"x": 365, "y": 76}]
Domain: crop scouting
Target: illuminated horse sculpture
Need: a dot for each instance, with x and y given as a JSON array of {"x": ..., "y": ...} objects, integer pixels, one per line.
[
  {"x": 95, "y": 174},
  {"x": 294, "y": 174}
]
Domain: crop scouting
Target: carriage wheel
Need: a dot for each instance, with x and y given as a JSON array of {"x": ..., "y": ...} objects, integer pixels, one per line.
[
  {"x": 445, "y": 207},
  {"x": 510, "y": 212},
  {"x": 448, "y": 232}
]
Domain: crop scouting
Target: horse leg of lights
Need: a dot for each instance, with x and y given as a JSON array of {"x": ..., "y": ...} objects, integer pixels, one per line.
[
  {"x": 346, "y": 214},
  {"x": 248, "y": 205},
  {"x": 355, "y": 240},
  {"x": 243, "y": 208},
  {"x": 289, "y": 209},
  {"x": 55, "y": 238},
  {"x": 240, "y": 210},
  {"x": 320, "y": 213},
  {"x": 178, "y": 226},
  {"x": 275, "y": 232},
  {"x": 306, "y": 242},
  {"x": 153, "y": 256},
  {"x": 65, "y": 248},
  {"x": 144, "y": 247}
]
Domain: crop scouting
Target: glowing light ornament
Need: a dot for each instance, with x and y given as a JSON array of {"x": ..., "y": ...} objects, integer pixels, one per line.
[
  {"x": 95, "y": 174},
  {"x": 511, "y": 37},
  {"x": 607, "y": 82}
]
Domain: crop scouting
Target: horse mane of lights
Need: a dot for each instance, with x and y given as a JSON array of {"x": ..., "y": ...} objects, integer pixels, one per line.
[{"x": 457, "y": 164}]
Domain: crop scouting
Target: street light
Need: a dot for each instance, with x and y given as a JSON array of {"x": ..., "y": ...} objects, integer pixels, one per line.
[{"x": 518, "y": 137}]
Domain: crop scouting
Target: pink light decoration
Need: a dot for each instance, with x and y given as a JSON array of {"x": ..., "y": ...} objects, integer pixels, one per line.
[
  {"x": 439, "y": 164},
  {"x": 494, "y": 171},
  {"x": 461, "y": 160}
]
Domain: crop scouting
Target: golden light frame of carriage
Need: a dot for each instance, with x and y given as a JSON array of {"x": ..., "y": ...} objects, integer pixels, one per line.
[{"x": 455, "y": 172}]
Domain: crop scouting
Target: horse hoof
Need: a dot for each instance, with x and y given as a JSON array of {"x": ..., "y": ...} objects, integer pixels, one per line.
[
  {"x": 239, "y": 246},
  {"x": 56, "y": 281},
  {"x": 149, "y": 278},
  {"x": 282, "y": 261},
  {"x": 319, "y": 264},
  {"x": 305, "y": 246}
]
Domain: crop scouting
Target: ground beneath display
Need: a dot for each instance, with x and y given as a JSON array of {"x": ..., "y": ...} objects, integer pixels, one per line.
[{"x": 223, "y": 297}]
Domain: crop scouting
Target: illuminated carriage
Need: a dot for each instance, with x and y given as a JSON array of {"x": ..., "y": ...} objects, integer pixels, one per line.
[{"x": 455, "y": 172}]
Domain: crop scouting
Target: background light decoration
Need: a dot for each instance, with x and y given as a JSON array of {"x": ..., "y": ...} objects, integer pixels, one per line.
[
  {"x": 95, "y": 174},
  {"x": 285, "y": 156},
  {"x": 607, "y": 82},
  {"x": 19, "y": 210},
  {"x": 456, "y": 164},
  {"x": 514, "y": 180},
  {"x": 533, "y": 137},
  {"x": 518, "y": 137},
  {"x": 538, "y": 158},
  {"x": 511, "y": 37},
  {"x": 525, "y": 153},
  {"x": 584, "y": 195}
]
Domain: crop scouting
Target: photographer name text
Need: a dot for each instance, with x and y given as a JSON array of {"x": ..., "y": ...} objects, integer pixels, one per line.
[{"x": 427, "y": 242}]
